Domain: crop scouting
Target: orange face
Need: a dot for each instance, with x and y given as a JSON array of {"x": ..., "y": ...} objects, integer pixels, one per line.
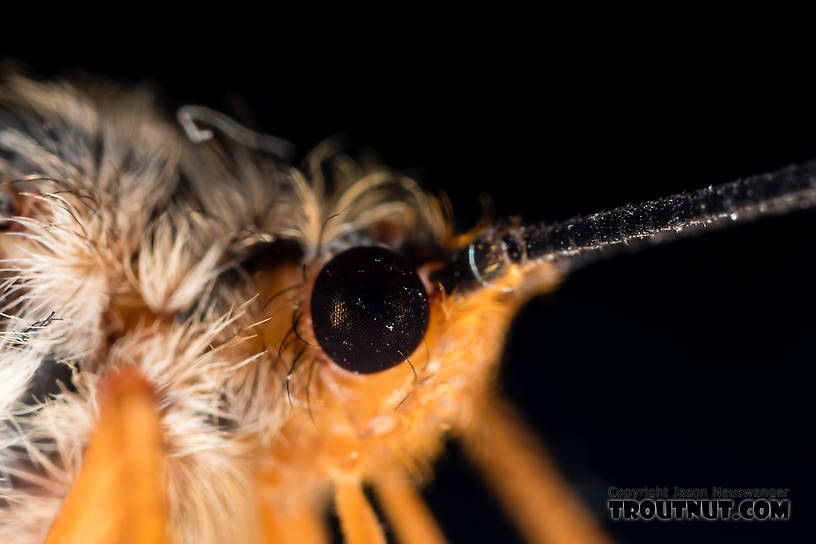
[{"x": 344, "y": 425}]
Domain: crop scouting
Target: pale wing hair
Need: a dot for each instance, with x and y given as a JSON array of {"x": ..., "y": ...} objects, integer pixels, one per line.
[{"x": 122, "y": 209}]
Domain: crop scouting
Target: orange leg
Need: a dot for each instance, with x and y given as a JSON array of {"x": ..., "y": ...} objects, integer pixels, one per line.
[
  {"x": 527, "y": 482},
  {"x": 407, "y": 512},
  {"x": 357, "y": 518},
  {"x": 117, "y": 497}
]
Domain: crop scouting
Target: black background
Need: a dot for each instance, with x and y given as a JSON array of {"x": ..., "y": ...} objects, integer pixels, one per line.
[{"x": 685, "y": 365}]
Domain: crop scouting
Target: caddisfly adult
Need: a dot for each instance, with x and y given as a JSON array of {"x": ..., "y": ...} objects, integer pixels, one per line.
[{"x": 204, "y": 343}]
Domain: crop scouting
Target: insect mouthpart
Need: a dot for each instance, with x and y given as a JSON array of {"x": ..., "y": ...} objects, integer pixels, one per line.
[{"x": 369, "y": 309}]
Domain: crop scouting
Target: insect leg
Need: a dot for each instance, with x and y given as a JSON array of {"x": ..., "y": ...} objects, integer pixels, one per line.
[
  {"x": 357, "y": 518},
  {"x": 527, "y": 483},
  {"x": 409, "y": 516},
  {"x": 118, "y": 491}
]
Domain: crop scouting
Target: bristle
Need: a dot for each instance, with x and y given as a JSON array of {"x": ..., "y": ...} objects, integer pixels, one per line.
[{"x": 126, "y": 242}]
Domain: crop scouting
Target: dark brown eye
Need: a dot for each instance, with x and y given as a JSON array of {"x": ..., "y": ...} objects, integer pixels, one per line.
[{"x": 369, "y": 309}]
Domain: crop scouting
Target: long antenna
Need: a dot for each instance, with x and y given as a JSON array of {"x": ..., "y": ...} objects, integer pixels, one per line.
[{"x": 580, "y": 240}]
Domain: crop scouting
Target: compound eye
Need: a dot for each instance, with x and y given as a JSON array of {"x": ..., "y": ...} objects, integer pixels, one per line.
[{"x": 369, "y": 309}]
